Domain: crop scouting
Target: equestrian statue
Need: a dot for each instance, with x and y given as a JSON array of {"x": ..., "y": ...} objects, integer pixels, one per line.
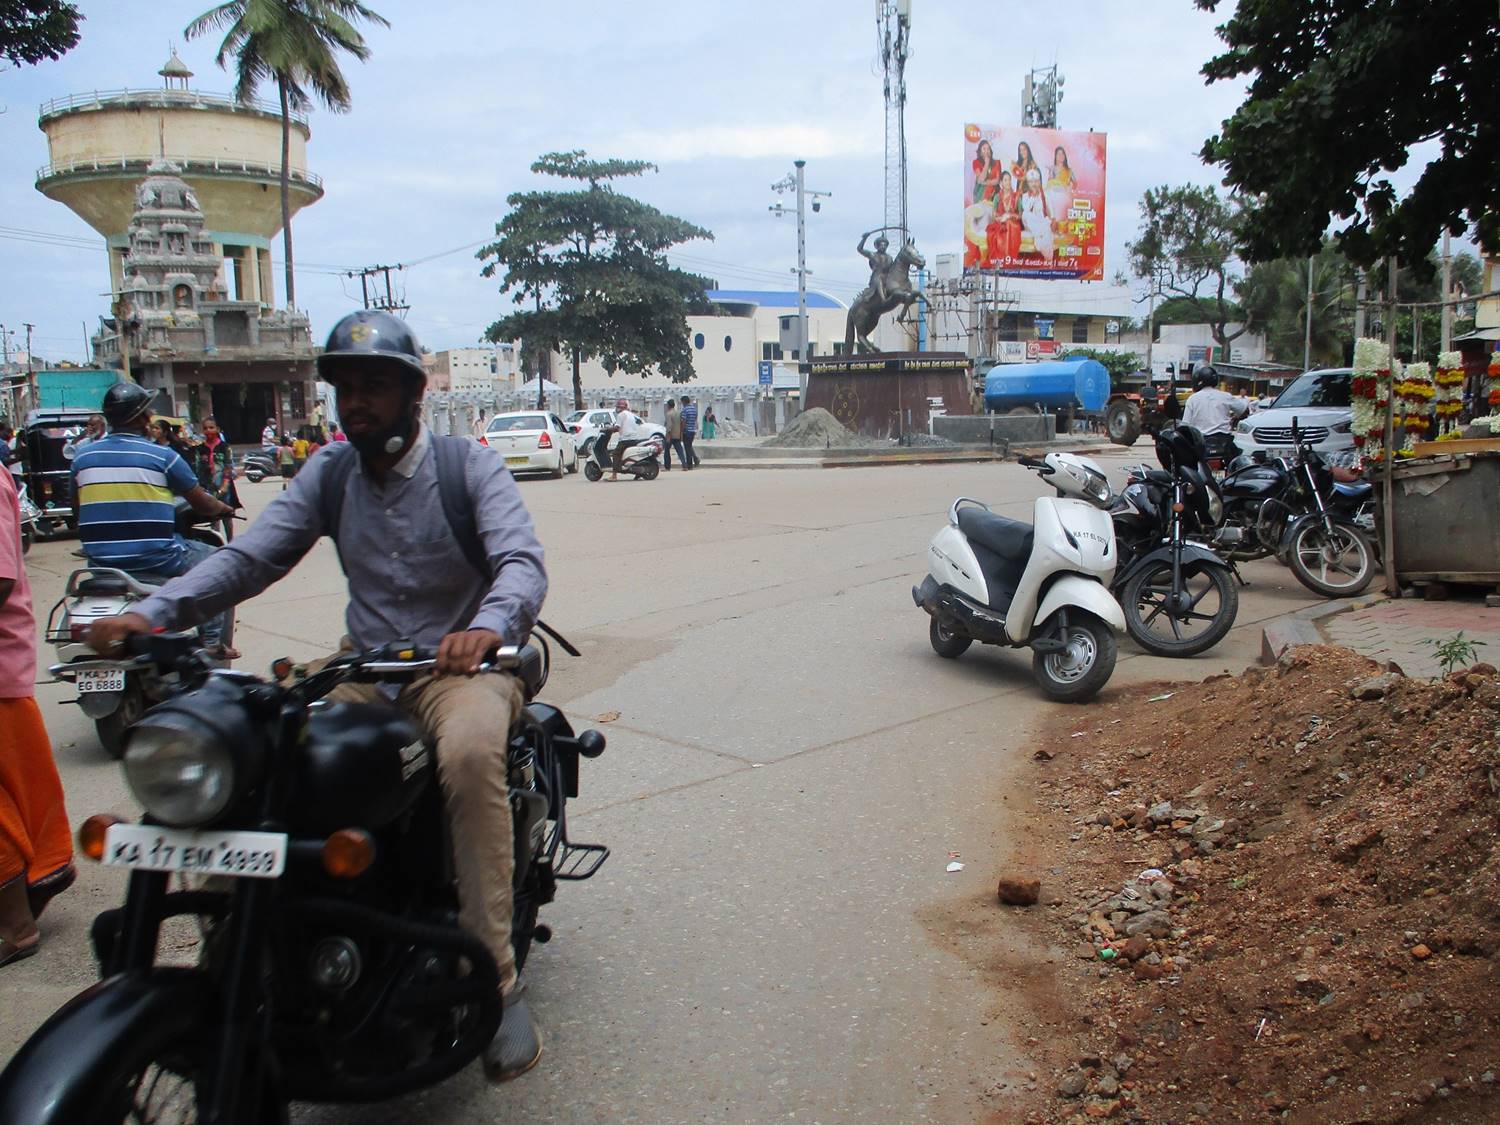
[{"x": 890, "y": 288}]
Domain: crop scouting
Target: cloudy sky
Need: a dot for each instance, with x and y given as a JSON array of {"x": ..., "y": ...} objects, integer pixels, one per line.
[{"x": 461, "y": 95}]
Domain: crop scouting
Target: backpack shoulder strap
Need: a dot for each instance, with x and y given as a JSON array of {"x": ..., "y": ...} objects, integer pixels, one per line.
[
  {"x": 458, "y": 508},
  {"x": 335, "y": 484}
]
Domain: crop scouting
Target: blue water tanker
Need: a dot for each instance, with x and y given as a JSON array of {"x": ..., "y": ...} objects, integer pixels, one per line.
[{"x": 1082, "y": 384}]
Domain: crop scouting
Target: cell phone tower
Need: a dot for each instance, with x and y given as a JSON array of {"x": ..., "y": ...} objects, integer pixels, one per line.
[{"x": 893, "y": 23}]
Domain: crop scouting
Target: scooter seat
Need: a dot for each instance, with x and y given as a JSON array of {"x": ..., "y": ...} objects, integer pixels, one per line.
[
  {"x": 1008, "y": 538},
  {"x": 106, "y": 585}
]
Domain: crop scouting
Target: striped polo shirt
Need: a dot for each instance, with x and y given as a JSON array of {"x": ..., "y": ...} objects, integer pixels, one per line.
[{"x": 125, "y": 487}]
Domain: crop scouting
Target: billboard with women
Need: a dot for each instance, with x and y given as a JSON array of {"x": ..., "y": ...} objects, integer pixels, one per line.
[{"x": 1034, "y": 202}]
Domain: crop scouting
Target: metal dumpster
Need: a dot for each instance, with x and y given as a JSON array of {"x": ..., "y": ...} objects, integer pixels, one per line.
[{"x": 1447, "y": 518}]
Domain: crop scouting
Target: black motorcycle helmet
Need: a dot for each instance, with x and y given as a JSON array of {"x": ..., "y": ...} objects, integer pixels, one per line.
[
  {"x": 1204, "y": 377},
  {"x": 1180, "y": 445},
  {"x": 372, "y": 338},
  {"x": 124, "y": 403}
]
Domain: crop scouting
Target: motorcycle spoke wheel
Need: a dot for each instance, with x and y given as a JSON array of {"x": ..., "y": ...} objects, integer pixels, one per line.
[
  {"x": 1336, "y": 563},
  {"x": 161, "y": 1095},
  {"x": 1164, "y": 629}
]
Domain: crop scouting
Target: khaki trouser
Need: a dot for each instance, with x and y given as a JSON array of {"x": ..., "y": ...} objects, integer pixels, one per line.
[{"x": 468, "y": 718}]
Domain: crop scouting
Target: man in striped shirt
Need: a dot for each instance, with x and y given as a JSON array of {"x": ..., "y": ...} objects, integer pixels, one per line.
[
  {"x": 126, "y": 484},
  {"x": 689, "y": 432}
]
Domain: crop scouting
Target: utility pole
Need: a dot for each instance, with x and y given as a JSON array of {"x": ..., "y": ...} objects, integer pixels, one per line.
[
  {"x": 388, "y": 303},
  {"x": 1307, "y": 333},
  {"x": 1359, "y": 306},
  {"x": 30, "y": 367},
  {"x": 1447, "y": 337},
  {"x": 795, "y": 181}
]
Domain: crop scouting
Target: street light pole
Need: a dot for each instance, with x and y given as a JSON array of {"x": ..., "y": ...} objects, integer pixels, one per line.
[{"x": 795, "y": 181}]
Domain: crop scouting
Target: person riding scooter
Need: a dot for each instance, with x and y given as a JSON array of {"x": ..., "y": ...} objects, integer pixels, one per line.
[
  {"x": 125, "y": 484},
  {"x": 439, "y": 550},
  {"x": 628, "y": 430}
]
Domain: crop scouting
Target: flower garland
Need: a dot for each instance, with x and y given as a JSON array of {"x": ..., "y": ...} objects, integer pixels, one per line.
[
  {"x": 1414, "y": 395},
  {"x": 1370, "y": 391},
  {"x": 1494, "y": 373},
  {"x": 1449, "y": 381}
]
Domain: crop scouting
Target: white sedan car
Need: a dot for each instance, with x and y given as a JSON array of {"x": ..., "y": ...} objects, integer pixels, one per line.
[{"x": 532, "y": 441}]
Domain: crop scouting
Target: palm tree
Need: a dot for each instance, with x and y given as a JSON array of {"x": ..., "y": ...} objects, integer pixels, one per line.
[{"x": 293, "y": 42}]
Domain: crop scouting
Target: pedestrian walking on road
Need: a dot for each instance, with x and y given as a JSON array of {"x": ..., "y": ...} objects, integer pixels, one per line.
[
  {"x": 36, "y": 845},
  {"x": 689, "y": 432},
  {"x": 674, "y": 437}
]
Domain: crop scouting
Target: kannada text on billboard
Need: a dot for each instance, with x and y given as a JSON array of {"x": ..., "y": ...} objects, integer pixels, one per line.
[{"x": 1034, "y": 202}]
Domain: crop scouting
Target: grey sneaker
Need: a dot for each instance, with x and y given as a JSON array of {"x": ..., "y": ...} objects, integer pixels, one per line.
[{"x": 517, "y": 1045}]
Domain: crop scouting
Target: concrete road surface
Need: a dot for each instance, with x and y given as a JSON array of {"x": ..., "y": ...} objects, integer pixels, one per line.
[{"x": 791, "y": 771}]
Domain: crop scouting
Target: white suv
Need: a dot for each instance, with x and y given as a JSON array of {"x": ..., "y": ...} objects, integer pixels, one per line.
[{"x": 1318, "y": 401}]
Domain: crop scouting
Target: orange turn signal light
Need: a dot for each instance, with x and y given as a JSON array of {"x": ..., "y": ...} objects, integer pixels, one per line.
[
  {"x": 1177, "y": 507},
  {"x": 281, "y": 667},
  {"x": 348, "y": 853},
  {"x": 91, "y": 834}
]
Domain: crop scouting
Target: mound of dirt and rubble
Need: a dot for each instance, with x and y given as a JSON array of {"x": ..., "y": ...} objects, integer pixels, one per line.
[
  {"x": 1276, "y": 897},
  {"x": 733, "y": 427},
  {"x": 817, "y": 429}
]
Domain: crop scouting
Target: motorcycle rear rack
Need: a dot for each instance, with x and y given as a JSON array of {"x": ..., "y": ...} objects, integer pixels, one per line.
[{"x": 578, "y": 861}]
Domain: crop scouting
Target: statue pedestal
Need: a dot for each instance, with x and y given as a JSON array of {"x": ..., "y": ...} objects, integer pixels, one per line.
[{"x": 886, "y": 394}]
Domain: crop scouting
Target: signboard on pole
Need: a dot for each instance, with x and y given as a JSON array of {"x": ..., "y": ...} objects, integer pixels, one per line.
[
  {"x": 765, "y": 370},
  {"x": 1034, "y": 202}
]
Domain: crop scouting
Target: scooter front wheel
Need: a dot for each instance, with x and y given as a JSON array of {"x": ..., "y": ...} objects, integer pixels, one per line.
[
  {"x": 1084, "y": 665},
  {"x": 592, "y": 470}
]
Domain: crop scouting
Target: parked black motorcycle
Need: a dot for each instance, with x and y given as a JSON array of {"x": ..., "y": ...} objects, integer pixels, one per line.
[
  {"x": 1296, "y": 509},
  {"x": 1178, "y": 595},
  {"x": 332, "y": 965}
]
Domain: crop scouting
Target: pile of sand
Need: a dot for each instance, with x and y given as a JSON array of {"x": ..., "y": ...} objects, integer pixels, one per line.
[{"x": 816, "y": 429}]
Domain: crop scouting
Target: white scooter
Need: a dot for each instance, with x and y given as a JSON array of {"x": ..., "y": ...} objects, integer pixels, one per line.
[
  {"x": 114, "y": 691},
  {"x": 1044, "y": 584}
]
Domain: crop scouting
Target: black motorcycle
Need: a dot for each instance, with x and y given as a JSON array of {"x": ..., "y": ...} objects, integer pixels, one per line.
[
  {"x": 1297, "y": 509},
  {"x": 1177, "y": 593},
  {"x": 332, "y": 966}
]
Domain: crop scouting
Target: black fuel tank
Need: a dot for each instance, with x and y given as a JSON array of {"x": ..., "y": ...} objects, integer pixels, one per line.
[
  {"x": 362, "y": 766},
  {"x": 1255, "y": 481}
]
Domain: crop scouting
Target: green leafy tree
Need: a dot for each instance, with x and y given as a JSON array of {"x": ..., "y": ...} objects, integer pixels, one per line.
[
  {"x": 33, "y": 30},
  {"x": 1275, "y": 300},
  {"x": 1186, "y": 249},
  {"x": 1338, "y": 95},
  {"x": 591, "y": 264},
  {"x": 294, "y": 43}
]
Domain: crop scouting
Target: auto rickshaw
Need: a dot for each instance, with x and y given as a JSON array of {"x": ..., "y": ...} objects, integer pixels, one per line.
[{"x": 47, "y": 458}]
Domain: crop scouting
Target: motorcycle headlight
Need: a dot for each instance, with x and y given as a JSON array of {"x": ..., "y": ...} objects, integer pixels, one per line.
[
  {"x": 194, "y": 757},
  {"x": 179, "y": 770}
]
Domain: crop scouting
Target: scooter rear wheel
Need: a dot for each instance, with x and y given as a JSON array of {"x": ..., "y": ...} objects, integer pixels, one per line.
[
  {"x": 947, "y": 643},
  {"x": 650, "y": 470},
  {"x": 1083, "y": 667},
  {"x": 112, "y": 727}
]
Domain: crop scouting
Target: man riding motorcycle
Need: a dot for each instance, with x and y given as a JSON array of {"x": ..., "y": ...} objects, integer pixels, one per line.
[
  {"x": 125, "y": 484},
  {"x": 439, "y": 550},
  {"x": 1214, "y": 412}
]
